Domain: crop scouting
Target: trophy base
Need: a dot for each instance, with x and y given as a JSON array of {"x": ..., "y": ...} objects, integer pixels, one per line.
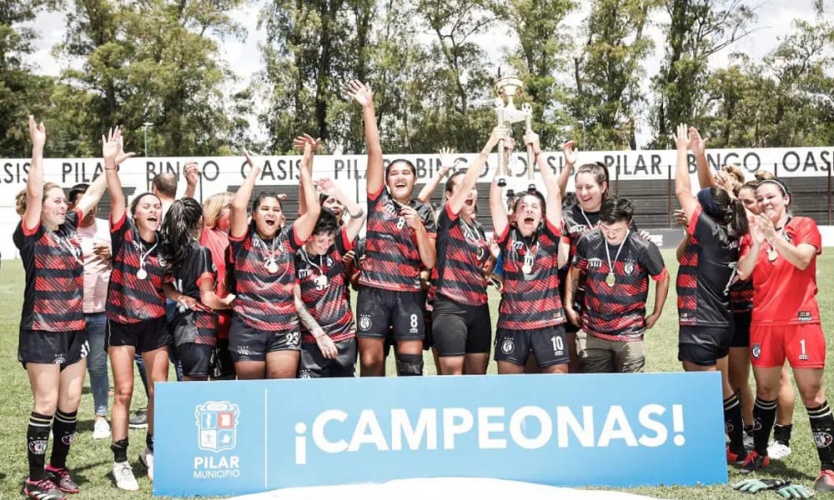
[
  {"x": 532, "y": 188},
  {"x": 502, "y": 181}
]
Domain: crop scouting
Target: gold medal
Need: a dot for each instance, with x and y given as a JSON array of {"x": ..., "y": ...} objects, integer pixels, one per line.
[{"x": 610, "y": 279}]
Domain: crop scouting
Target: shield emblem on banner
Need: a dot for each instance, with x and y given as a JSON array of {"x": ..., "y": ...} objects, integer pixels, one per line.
[{"x": 216, "y": 425}]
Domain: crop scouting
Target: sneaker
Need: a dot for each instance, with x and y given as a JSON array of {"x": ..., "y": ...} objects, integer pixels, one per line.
[
  {"x": 736, "y": 458},
  {"x": 825, "y": 481},
  {"x": 778, "y": 450},
  {"x": 754, "y": 462},
  {"x": 123, "y": 474},
  {"x": 146, "y": 457},
  {"x": 101, "y": 429},
  {"x": 62, "y": 478},
  {"x": 139, "y": 420},
  {"x": 44, "y": 489}
]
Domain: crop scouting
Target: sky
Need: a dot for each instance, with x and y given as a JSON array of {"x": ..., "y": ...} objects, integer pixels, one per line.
[{"x": 774, "y": 21}]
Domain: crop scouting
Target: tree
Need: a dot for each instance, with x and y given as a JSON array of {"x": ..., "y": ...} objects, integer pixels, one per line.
[{"x": 697, "y": 30}]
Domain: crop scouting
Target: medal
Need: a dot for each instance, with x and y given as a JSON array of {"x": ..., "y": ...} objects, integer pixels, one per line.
[
  {"x": 321, "y": 281},
  {"x": 141, "y": 273},
  {"x": 527, "y": 268},
  {"x": 772, "y": 254},
  {"x": 610, "y": 279},
  {"x": 271, "y": 266}
]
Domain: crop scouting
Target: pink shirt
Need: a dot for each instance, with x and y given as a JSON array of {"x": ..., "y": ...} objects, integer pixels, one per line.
[{"x": 96, "y": 269}]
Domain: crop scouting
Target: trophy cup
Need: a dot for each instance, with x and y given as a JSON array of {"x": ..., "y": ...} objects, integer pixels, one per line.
[{"x": 507, "y": 88}]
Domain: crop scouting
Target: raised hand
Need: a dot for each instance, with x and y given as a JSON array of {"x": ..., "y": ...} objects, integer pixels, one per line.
[
  {"x": 361, "y": 93},
  {"x": 569, "y": 152},
  {"x": 447, "y": 160},
  {"x": 251, "y": 161},
  {"x": 682, "y": 140},
  {"x": 327, "y": 186},
  {"x": 191, "y": 173},
  {"x": 498, "y": 133},
  {"x": 302, "y": 142},
  {"x": 112, "y": 145},
  {"x": 532, "y": 139},
  {"x": 697, "y": 143},
  {"x": 37, "y": 132}
]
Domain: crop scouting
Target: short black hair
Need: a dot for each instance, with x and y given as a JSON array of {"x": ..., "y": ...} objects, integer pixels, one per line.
[
  {"x": 165, "y": 184},
  {"x": 327, "y": 223},
  {"x": 616, "y": 209},
  {"x": 401, "y": 160},
  {"x": 265, "y": 194},
  {"x": 78, "y": 189}
]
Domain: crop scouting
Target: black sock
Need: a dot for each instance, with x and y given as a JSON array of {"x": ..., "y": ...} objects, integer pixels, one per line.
[
  {"x": 63, "y": 431},
  {"x": 782, "y": 433},
  {"x": 822, "y": 425},
  {"x": 149, "y": 441},
  {"x": 764, "y": 414},
  {"x": 748, "y": 429},
  {"x": 119, "y": 450},
  {"x": 734, "y": 423},
  {"x": 37, "y": 437}
]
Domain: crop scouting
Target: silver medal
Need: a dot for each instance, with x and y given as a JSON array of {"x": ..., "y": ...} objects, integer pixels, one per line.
[
  {"x": 527, "y": 268},
  {"x": 610, "y": 279},
  {"x": 141, "y": 274},
  {"x": 321, "y": 281},
  {"x": 772, "y": 255},
  {"x": 272, "y": 267}
]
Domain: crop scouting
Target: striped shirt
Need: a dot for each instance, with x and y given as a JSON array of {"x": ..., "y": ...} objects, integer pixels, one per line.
[{"x": 462, "y": 250}]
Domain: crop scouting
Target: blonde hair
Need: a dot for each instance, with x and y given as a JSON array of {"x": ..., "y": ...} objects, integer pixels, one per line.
[
  {"x": 213, "y": 206},
  {"x": 735, "y": 172},
  {"x": 20, "y": 198},
  {"x": 764, "y": 175}
]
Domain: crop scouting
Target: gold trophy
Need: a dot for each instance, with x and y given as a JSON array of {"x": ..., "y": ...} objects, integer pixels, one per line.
[{"x": 507, "y": 88}]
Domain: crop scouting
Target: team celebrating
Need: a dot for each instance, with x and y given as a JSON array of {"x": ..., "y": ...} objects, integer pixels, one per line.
[{"x": 228, "y": 289}]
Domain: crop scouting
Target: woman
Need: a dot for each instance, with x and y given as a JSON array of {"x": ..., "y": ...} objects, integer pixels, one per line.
[
  {"x": 194, "y": 324},
  {"x": 530, "y": 316},
  {"x": 136, "y": 315},
  {"x": 52, "y": 341},
  {"x": 400, "y": 242},
  {"x": 707, "y": 267},
  {"x": 460, "y": 316},
  {"x": 781, "y": 255},
  {"x": 591, "y": 185},
  {"x": 265, "y": 338},
  {"x": 215, "y": 237}
]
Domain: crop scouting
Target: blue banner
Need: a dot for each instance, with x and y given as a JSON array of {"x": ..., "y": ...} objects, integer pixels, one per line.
[{"x": 228, "y": 438}]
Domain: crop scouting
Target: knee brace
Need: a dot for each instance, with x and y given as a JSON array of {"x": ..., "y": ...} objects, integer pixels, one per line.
[{"x": 409, "y": 365}]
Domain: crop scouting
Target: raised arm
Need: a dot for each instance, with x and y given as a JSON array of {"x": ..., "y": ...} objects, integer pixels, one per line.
[
  {"x": 306, "y": 222},
  {"x": 447, "y": 163},
  {"x": 699, "y": 148},
  {"x": 238, "y": 218},
  {"x": 34, "y": 184},
  {"x": 497, "y": 212},
  {"x": 554, "y": 193},
  {"x": 364, "y": 96},
  {"x": 569, "y": 152},
  {"x": 474, "y": 171},
  {"x": 299, "y": 144},
  {"x": 357, "y": 214},
  {"x": 111, "y": 147},
  {"x": 97, "y": 188},
  {"x": 192, "y": 175},
  {"x": 683, "y": 187}
]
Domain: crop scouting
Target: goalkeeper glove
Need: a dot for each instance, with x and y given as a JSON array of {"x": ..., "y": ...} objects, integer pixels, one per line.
[
  {"x": 794, "y": 491},
  {"x": 754, "y": 486}
]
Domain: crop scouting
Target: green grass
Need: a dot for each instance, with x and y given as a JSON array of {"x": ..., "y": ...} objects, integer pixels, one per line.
[{"x": 91, "y": 460}]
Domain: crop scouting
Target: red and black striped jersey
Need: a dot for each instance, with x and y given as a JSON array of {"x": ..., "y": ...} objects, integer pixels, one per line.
[
  {"x": 53, "y": 300},
  {"x": 217, "y": 242},
  {"x": 130, "y": 298},
  {"x": 617, "y": 312},
  {"x": 392, "y": 259},
  {"x": 197, "y": 267},
  {"x": 530, "y": 300},
  {"x": 324, "y": 290},
  {"x": 264, "y": 278},
  {"x": 741, "y": 296},
  {"x": 462, "y": 251},
  {"x": 706, "y": 270}
]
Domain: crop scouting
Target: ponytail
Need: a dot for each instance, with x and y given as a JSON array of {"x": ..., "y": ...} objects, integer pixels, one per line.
[
  {"x": 739, "y": 218},
  {"x": 181, "y": 222}
]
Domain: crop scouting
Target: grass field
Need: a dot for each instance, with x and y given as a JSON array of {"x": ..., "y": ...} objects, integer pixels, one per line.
[{"x": 91, "y": 460}]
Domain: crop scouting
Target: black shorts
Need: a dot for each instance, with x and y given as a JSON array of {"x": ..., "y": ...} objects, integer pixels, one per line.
[
  {"x": 195, "y": 359},
  {"x": 378, "y": 309},
  {"x": 52, "y": 348},
  {"x": 428, "y": 339},
  {"x": 314, "y": 365},
  {"x": 549, "y": 345},
  {"x": 145, "y": 336},
  {"x": 459, "y": 329},
  {"x": 250, "y": 344},
  {"x": 741, "y": 325},
  {"x": 704, "y": 345},
  {"x": 222, "y": 366}
]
